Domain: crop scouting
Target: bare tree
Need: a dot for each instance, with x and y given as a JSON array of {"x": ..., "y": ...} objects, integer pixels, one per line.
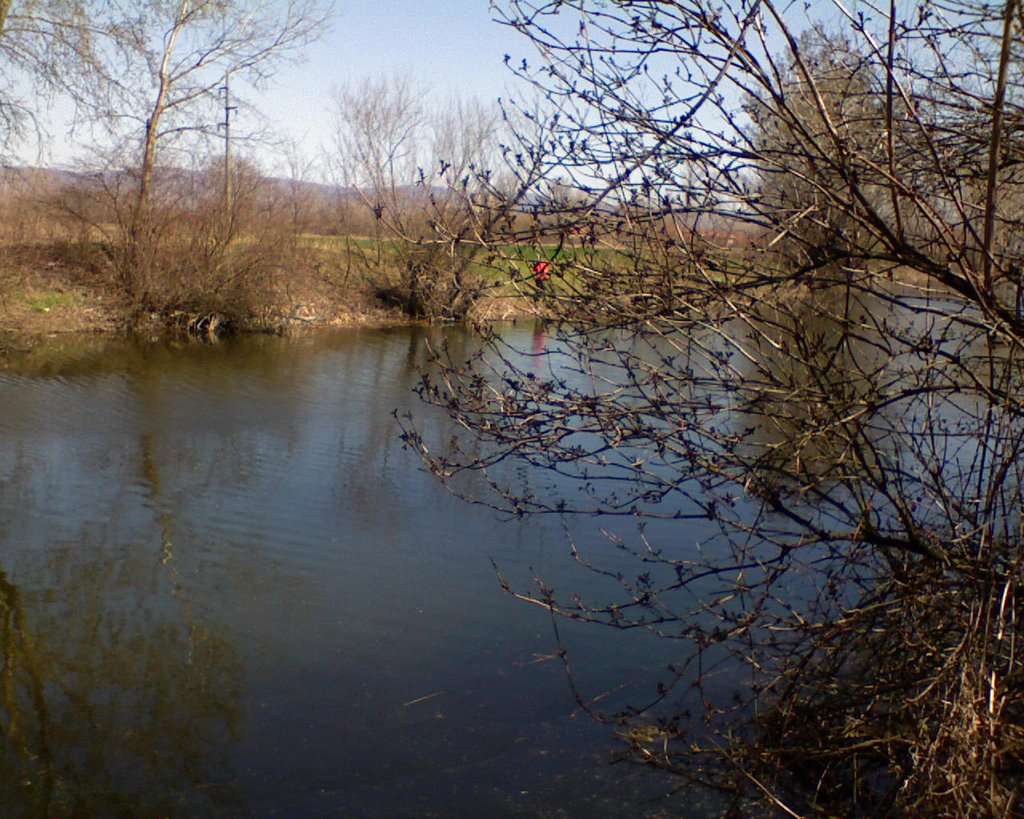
[
  {"x": 46, "y": 47},
  {"x": 379, "y": 126},
  {"x": 793, "y": 357},
  {"x": 303, "y": 203},
  {"x": 167, "y": 63},
  {"x": 425, "y": 173}
]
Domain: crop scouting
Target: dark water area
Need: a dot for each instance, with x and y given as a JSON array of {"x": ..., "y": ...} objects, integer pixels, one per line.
[{"x": 227, "y": 590}]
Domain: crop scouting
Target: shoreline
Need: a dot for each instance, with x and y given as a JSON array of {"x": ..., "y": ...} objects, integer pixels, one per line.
[
  {"x": 25, "y": 326},
  {"x": 42, "y": 298}
]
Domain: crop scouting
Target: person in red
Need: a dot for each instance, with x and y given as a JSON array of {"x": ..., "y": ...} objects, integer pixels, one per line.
[{"x": 541, "y": 272}]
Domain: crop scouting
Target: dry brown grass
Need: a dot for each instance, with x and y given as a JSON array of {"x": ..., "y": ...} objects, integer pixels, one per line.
[{"x": 42, "y": 294}]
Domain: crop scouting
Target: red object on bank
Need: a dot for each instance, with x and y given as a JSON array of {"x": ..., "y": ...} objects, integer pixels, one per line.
[{"x": 540, "y": 269}]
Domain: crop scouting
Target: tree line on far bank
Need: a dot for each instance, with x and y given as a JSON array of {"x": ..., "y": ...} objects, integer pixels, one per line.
[
  {"x": 439, "y": 208},
  {"x": 173, "y": 214}
]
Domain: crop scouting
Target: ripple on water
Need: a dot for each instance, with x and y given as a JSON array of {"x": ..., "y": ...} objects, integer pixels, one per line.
[{"x": 315, "y": 608}]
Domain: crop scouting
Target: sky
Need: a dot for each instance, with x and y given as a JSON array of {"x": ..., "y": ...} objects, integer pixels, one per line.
[{"x": 448, "y": 46}]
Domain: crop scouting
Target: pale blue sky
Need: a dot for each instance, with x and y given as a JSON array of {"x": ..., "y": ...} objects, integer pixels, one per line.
[
  {"x": 450, "y": 46},
  {"x": 447, "y": 46}
]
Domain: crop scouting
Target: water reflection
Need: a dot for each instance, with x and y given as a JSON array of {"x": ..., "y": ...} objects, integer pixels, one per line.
[
  {"x": 115, "y": 700},
  {"x": 226, "y": 590}
]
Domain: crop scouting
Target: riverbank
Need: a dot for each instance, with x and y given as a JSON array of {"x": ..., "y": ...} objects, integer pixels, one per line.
[
  {"x": 42, "y": 298},
  {"x": 45, "y": 294}
]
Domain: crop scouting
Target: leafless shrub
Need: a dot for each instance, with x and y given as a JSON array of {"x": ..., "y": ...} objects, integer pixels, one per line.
[{"x": 431, "y": 194}]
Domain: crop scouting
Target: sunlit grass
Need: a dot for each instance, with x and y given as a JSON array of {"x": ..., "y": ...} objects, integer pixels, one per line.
[{"x": 43, "y": 301}]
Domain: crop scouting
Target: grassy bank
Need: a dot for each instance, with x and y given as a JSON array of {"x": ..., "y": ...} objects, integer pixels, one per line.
[
  {"x": 63, "y": 287},
  {"x": 277, "y": 282}
]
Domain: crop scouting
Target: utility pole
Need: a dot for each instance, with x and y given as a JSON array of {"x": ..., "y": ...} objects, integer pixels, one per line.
[{"x": 226, "y": 125}]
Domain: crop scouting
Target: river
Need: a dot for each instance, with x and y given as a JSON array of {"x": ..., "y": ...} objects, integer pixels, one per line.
[{"x": 227, "y": 590}]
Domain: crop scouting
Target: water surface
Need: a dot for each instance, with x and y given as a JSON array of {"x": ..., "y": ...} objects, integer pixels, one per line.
[{"x": 226, "y": 590}]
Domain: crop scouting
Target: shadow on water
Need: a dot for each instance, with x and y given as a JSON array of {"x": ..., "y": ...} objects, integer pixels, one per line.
[{"x": 226, "y": 590}]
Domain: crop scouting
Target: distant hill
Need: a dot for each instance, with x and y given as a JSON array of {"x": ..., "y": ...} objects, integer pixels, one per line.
[{"x": 21, "y": 179}]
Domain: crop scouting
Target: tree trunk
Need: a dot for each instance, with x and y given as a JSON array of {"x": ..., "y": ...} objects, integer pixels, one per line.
[{"x": 135, "y": 275}]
